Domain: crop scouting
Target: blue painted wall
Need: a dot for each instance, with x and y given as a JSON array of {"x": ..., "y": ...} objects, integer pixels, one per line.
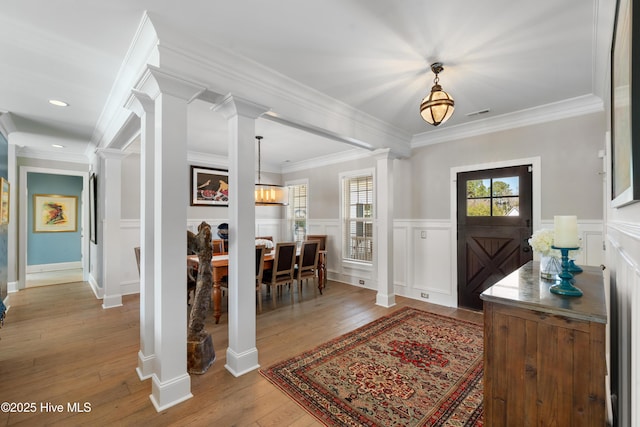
[
  {"x": 51, "y": 248},
  {"x": 4, "y": 242}
]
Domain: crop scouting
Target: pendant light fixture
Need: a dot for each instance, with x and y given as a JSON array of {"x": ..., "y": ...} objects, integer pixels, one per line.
[
  {"x": 437, "y": 107},
  {"x": 269, "y": 194}
]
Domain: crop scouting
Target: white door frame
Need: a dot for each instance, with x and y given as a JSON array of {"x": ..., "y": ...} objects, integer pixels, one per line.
[{"x": 22, "y": 229}]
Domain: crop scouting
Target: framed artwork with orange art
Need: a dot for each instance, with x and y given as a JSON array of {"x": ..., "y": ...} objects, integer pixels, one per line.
[
  {"x": 4, "y": 201},
  {"x": 54, "y": 213}
]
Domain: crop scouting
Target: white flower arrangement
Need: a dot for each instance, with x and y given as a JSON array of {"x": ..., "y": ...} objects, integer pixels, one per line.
[
  {"x": 541, "y": 242},
  {"x": 267, "y": 243}
]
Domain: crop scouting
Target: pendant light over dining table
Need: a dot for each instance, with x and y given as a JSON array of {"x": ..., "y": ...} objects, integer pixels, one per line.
[
  {"x": 269, "y": 194},
  {"x": 438, "y": 105}
]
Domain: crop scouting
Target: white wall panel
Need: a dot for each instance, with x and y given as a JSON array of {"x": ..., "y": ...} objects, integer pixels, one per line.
[
  {"x": 400, "y": 254},
  {"x": 438, "y": 273},
  {"x": 422, "y": 252},
  {"x": 592, "y": 236},
  {"x": 331, "y": 228},
  {"x": 129, "y": 239},
  {"x": 623, "y": 269}
]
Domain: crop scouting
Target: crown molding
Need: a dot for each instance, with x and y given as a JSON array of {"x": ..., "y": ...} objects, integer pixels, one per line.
[
  {"x": 7, "y": 124},
  {"x": 207, "y": 159},
  {"x": 573, "y": 107},
  {"x": 227, "y": 72},
  {"x": 142, "y": 52},
  {"x": 111, "y": 153},
  {"x": 31, "y": 153},
  {"x": 330, "y": 159}
]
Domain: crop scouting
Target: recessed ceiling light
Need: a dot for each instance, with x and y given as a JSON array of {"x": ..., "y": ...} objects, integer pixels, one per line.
[
  {"x": 57, "y": 146},
  {"x": 58, "y": 103}
]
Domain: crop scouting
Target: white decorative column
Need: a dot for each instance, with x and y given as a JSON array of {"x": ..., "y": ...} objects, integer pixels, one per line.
[
  {"x": 144, "y": 107},
  {"x": 171, "y": 383},
  {"x": 111, "y": 168},
  {"x": 13, "y": 283},
  {"x": 242, "y": 354},
  {"x": 384, "y": 239}
]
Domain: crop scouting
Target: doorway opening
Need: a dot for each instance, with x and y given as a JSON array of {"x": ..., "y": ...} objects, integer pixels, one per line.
[{"x": 52, "y": 253}]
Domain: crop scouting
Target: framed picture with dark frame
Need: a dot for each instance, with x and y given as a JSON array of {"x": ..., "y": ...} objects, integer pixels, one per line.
[
  {"x": 209, "y": 187},
  {"x": 93, "y": 206},
  {"x": 625, "y": 119}
]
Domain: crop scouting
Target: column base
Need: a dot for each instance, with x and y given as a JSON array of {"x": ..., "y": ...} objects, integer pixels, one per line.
[
  {"x": 240, "y": 364},
  {"x": 385, "y": 300},
  {"x": 112, "y": 301},
  {"x": 145, "y": 366},
  {"x": 166, "y": 394}
]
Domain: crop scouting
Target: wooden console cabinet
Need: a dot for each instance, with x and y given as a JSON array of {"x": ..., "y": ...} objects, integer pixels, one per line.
[{"x": 544, "y": 355}]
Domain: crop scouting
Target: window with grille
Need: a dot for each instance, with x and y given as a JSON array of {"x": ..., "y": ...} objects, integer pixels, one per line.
[
  {"x": 297, "y": 211},
  {"x": 493, "y": 196},
  {"x": 358, "y": 217}
]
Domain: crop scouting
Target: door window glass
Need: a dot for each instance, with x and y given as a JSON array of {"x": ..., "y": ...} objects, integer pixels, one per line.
[{"x": 493, "y": 196}]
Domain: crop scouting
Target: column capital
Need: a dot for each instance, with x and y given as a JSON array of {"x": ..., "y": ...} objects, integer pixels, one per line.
[
  {"x": 233, "y": 105},
  {"x": 7, "y": 124},
  {"x": 109, "y": 153},
  {"x": 385, "y": 154},
  {"x": 139, "y": 103},
  {"x": 155, "y": 81}
]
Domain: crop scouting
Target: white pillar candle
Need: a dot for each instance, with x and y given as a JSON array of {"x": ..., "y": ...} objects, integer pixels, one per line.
[{"x": 565, "y": 231}]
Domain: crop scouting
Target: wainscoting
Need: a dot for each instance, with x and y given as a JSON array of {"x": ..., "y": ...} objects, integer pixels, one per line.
[
  {"x": 623, "y": 272},
  {"x": 424, "y": 254},
  {"x": 424, "y": 263}
]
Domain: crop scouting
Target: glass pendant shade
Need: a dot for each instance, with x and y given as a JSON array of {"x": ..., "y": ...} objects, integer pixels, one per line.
[
  {"x": 437, "y": 107},
  {"x": 271, "y": 195}
]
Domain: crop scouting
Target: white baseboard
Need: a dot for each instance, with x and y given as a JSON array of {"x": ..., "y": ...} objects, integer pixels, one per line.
[
  {"x": 13, "y": 287},
  {"x": 130, "y": 287},
  {"x": 97, "y": 290},
  {"x": 41, "y": 268},
  {"x": 7, "y": 302}
]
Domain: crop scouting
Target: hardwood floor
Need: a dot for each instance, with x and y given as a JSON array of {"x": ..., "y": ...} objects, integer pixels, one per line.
[{"x": 59, "y": 346}]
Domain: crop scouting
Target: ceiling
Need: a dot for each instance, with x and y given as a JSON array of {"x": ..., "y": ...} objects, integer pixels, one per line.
[{"x": 374, "y": 55}]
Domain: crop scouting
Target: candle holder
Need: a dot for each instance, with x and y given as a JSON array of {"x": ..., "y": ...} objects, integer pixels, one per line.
[
  {"x": 565, "y": 287},
  {"x": 573, "y": 268}
]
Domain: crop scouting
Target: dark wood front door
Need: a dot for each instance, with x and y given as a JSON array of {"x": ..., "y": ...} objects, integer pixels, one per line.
[{"x": 494, "y": 224}]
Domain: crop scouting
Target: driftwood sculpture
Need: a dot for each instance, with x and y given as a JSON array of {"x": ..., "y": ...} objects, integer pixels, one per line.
[
  {"x": 192, "y": 246},
  {"x": 200, "y": 353}
]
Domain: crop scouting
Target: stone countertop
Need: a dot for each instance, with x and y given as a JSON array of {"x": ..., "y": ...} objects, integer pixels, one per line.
[{"x": 524, "y": 289}]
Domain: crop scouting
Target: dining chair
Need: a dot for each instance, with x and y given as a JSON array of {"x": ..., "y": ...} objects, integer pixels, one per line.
[
  {"x": 321, "y": 237},
  {"x": 136, "y": 250},
  {"x": 260, "y": 250},
  {"x": 281, "y": 273},
  {"x": 307, "y": 267},
  {"x": 218, "y": 246}
]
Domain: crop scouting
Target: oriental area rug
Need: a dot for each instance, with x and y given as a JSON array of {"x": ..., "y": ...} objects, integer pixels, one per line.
[{"x": 410, "y": 368}]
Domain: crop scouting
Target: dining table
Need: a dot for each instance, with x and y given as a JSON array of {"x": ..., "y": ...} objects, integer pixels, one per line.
[{"x": 220, "y": 270}]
